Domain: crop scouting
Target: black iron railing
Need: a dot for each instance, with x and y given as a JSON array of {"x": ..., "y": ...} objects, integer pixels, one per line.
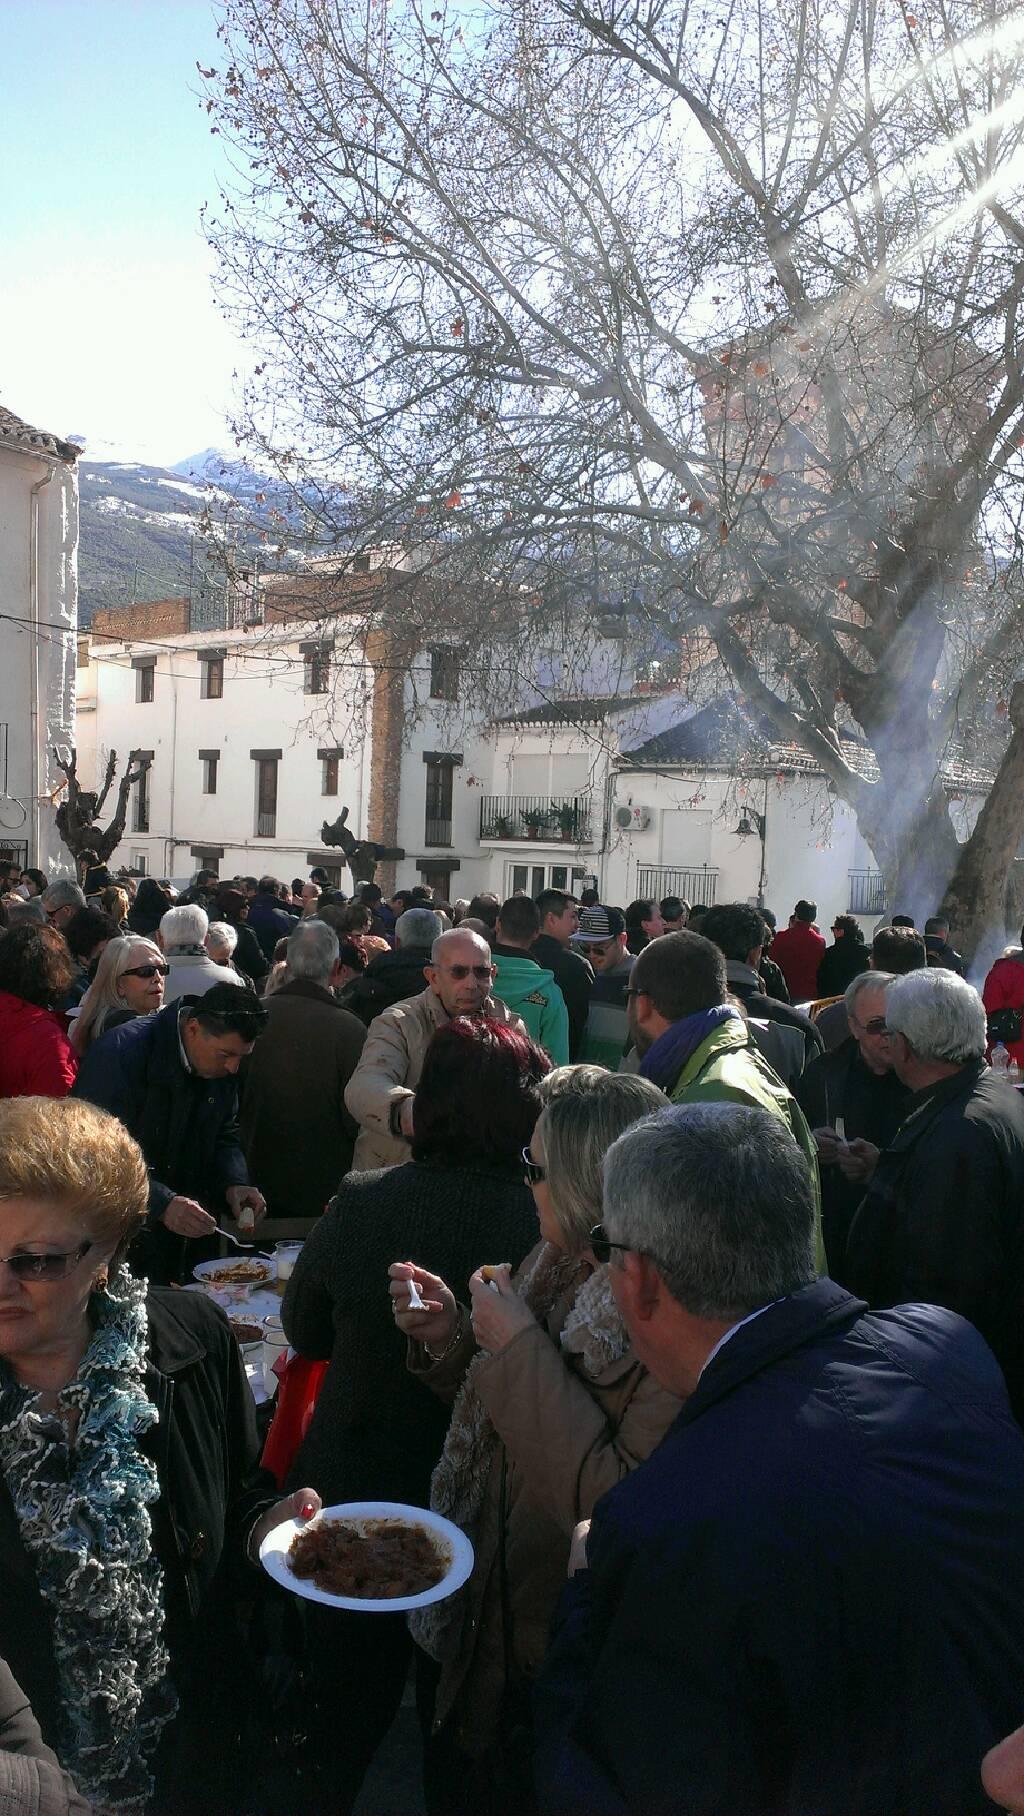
[
  {"x": 867, "y": 892},
  {"x": 692, "y": 883},
  {"x": 557, "y": 819}
]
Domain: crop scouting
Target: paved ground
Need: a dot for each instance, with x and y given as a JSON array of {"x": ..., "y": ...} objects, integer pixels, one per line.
[{"x": 392, "y": 1786}]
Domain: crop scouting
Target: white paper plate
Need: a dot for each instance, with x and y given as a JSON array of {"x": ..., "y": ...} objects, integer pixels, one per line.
[
  {"x": 203, "y": 1271},
  {"x": 274, "y": 1557}
]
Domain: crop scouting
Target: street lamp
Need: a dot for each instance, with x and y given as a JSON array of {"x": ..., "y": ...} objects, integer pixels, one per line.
[{"x": 753, "y": 824}]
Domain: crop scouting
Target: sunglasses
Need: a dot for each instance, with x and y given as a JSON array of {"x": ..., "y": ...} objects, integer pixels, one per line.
[
  {"x": 602, "y": 1245},
  {"x": 458, "y": 973},
  {"x": 153, "y": 970},
  {"x": 45, "y": 1267},
  {"x": 534, "y": 1171}
]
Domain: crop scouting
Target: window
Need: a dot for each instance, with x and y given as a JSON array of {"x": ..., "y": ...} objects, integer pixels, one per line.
[
  {"x": 140, "y": 805},
  {"x": 330, "y": 775},
  {"x": 439, "y": 880},
  {"x": 138, "y": 863},
  {"x": 144, "y": 680},
  {"x": 316, "y": 676},
  {"x": 209, "y": 760},
  {"x": 266, "y": 797},
  {"x": 438, "y": 826},
  {"x": 361, "y": 564},
  {"x": 444, "y": 674},
  {"x": 211, "y": 683},
  {"x": 208, "y": 857}
]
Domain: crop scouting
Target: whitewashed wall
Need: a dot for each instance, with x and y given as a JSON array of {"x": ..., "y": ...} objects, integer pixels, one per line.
[
  {"x": 263, "y": 707},
  {"x": 37, "y": 660}
]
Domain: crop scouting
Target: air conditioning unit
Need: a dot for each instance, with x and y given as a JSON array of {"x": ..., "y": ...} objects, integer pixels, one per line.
[{"x": 633, "y": 819}]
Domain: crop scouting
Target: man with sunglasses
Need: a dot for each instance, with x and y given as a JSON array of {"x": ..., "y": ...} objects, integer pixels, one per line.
[
  {"x": 171, "y": 1079},
  {"x": 854, "y": 1103},
  {"x": 810, "y": 1596},
  {"x": 380, "y": 1092},
  {"x": 602, "y": 940}
]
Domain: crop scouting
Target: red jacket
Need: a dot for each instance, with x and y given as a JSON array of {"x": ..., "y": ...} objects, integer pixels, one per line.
[
  {"x": 1004, "y": 989},
  {"x": 36, "y": 1057},
  {"x": 798, "y": 952}
]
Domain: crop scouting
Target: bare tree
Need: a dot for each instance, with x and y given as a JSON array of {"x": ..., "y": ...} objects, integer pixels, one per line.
[
  {"x": 713, "y": 322},
  {"x": 78, "y": 815}
]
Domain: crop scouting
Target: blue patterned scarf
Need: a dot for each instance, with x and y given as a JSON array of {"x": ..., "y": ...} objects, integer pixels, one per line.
[
  {"x": 665, "y": 1059},
  {"x": 83, "y": 1511}
]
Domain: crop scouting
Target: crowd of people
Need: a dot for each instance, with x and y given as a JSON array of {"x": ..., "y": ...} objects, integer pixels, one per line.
[{"x": 676, "y": 1259}]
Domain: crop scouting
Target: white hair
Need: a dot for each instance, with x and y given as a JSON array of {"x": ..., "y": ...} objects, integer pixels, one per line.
[
  {"x": 866, "y": 980},
  {"x": 223, "y": 936},
  {"x": 443, "y": 940},
  {"x": 312, "y": 951},
  {"x": 940, "y": 1016},
  {"x": 183, "y": 927}
]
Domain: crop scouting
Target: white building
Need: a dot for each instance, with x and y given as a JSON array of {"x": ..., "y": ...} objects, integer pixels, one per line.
[{"x": 38, "y": 611}]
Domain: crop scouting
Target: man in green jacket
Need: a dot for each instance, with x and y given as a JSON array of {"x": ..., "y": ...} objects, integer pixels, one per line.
[
  {"x": 528, "y": 989},
  {"x": 694, "y": 1044}
]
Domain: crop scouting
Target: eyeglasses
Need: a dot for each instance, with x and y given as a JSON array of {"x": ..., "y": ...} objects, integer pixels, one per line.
[
  {"x": 877, "y": 1025},
  {"x": 153, "y": 970},
  {"x": 602, "y": 1245},
  {"x": 534, "y": 1171},
  {"x": 45, "y": 1267},
  {"x": 459, "y": 973}
]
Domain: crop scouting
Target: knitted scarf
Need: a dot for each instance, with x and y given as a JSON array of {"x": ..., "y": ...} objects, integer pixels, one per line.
[
  {"x": 593, "y": 1331},
  {"x": 83, "y": 1514},
  {"x": 666, "y": 1057}
]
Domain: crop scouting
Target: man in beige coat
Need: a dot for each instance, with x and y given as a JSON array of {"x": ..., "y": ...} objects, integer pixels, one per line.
[{"x": 380, "y": 1091}]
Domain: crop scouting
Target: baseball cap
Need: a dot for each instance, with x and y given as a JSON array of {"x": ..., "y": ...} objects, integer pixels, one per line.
[{"x": 598, "y": 924}]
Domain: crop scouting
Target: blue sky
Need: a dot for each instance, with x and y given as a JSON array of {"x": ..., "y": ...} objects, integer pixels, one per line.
[{"x": 108, "y": 325}]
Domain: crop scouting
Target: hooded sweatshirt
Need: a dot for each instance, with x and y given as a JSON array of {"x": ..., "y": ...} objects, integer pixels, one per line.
[{"x": 531, "y": 993}]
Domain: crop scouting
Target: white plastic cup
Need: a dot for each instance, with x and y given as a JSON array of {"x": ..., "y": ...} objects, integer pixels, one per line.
[{"x": 285, "y": 1256}]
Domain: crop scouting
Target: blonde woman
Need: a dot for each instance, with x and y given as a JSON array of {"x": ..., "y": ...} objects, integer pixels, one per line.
[
  {"x": 129, "y": 981},
  {"x": 115, "y": 902},
  {"x": 552, "y": 1408}
]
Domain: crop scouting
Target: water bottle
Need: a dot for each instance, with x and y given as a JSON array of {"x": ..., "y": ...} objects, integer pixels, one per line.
[
  {"x": 1000, "y": 1060},
  {"x": 1013, "y": 1074}
]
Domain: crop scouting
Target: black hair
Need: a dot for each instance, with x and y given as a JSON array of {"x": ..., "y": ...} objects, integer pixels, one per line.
[
  {"x": 228, "y": 1009},
  {"x": 681, "y": 973}
]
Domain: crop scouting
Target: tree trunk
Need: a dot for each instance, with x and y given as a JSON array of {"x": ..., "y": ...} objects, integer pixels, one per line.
[{"x": 976, "y": 898}]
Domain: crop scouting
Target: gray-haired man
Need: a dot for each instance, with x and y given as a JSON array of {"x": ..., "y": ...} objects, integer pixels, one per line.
[
  {"x": 943, "y": 1216},
  {"x": 811, "y": 1596},
  {"x": 297, "y": 1135}
]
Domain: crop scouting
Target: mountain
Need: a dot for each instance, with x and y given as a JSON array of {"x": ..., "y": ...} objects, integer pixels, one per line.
[{"x": 139, "y": 532}]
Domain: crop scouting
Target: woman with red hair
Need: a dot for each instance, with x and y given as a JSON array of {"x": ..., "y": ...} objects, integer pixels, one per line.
[{"x": 375, "y": 1433}]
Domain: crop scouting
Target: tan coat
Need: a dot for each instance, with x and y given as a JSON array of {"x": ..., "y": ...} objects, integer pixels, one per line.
[
  {"x": 568, "y": 1436},
  {"x": 389, "y": 1070}
]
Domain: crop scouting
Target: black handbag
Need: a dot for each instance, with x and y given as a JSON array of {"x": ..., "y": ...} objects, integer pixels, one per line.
[{"x": 1006, "y": 1025}]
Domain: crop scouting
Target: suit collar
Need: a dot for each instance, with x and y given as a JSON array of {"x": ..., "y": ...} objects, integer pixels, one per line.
[
  {"x": 782, "y": 1328},
  {"x": 924, "y": 1106}
]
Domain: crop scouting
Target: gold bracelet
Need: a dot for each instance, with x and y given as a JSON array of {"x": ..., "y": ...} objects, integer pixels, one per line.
[{"x": 453, "y": 1342}]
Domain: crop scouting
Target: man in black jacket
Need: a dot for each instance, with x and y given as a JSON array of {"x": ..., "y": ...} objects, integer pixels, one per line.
[
  {"x": 810, "y": 1597},
  {"x": 943, "y": 1216},
  {"x": 854, "y": 1103},
  {"x": 559, "y": 921},
  {"x": 171, "y": 1079},
  {"x": 739, "y": 932},
  {"x": 392, "y": 977}
]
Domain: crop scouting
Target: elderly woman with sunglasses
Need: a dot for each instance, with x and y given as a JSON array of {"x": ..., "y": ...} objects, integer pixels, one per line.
[
  {"x": 551, "y": 1409},
  {"x": 127, "y": 1476},
  {"x": 129, "y": 981}
]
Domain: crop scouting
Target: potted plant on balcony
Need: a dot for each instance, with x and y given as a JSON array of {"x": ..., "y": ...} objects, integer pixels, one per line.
[
  {"x": 501, "y": 827},
  {"x": 536, "y": 820},
  {"x": 566, "y": 818}
]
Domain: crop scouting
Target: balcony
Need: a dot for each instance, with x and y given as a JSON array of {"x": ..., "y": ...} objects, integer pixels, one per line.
[
  {"x": 694, "y": 884},
  {"x": 554, "y": 819},
  {"x": 867, "y": 892}
]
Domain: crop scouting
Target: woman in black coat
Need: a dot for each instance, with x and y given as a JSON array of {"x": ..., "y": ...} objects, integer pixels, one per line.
[
  {"x": 375, "y": 1435},
  {"x": 845, "y": 959},
  {"x": 128, "y": 1482}
]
